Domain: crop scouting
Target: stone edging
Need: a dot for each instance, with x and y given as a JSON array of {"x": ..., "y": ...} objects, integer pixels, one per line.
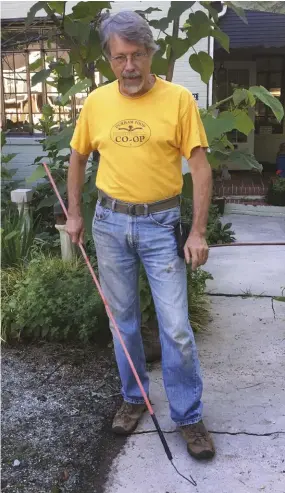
[{"x": 255, "y": 210}]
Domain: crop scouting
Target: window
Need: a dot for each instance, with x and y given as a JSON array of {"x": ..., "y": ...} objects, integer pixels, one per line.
[
  {"x": 21, "y": 102},
  {"x": 271, "y": 75},
  {"x": 227, "y": 79}
]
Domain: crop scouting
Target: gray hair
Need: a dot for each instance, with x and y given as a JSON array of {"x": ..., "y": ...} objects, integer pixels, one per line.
[{"x": 129, "y": 26}]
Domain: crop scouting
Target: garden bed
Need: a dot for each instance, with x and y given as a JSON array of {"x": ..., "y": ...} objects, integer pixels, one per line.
[{"x": 57, "y": 408}]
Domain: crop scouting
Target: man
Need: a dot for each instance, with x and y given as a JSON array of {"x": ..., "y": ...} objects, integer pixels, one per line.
[{"x": 142, "y": 125}]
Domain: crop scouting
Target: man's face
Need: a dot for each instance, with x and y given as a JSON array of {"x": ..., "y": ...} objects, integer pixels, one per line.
[{"x": 131, "y": 64}]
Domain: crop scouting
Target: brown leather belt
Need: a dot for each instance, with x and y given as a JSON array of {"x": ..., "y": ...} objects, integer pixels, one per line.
[{"x": 137, "y": 209}]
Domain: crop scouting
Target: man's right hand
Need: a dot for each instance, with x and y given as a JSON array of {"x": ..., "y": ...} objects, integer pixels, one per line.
[{"x": 75, "y": 228}]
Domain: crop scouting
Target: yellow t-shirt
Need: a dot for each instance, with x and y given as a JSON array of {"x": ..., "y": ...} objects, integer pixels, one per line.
[{"x": 141, "y": 140}]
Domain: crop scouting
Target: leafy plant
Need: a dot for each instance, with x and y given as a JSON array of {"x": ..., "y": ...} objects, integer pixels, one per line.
[
  {"x": 197, "y": 300},
  {"x": 234, "y": 116},
  {"x": 6, "y": 174},
  {"x": 216, "y": 231},
  {"x": 52, "y": 300},
  {"x": 77, "y": 32},
  {"x": 6, "y": 177},
  {"x": 10, "y": 277},
  {"x": 56, "y": 146},
  {"x": 276, "y": 192},
  {"x": 17, "y": 238}
]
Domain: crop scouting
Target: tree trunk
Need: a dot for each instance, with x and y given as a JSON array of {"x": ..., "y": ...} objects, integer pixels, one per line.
[{"x": 172, "y": 58}]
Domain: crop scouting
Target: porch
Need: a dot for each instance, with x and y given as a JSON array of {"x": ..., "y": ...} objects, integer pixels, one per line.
[
  {"x": 257, "y": 57},
  {"x": 244, "y": 187}
]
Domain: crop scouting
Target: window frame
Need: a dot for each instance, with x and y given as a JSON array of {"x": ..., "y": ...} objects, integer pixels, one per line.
[
  {"x": 41, "y": 28},
  {"x": 261, "y": 121}
]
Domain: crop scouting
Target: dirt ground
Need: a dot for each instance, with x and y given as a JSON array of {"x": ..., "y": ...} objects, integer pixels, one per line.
[{"x": 57, "y": 408}]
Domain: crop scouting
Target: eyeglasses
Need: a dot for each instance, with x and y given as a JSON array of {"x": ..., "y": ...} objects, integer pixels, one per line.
[{"x": 135, "y": 57}]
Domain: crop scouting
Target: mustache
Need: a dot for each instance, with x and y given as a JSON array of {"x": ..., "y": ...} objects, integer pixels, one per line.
[{"x": 131, "y": 75}]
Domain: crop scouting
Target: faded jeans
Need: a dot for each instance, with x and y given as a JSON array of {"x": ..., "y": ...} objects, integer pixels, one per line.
[{"x": 122, "y": 242}]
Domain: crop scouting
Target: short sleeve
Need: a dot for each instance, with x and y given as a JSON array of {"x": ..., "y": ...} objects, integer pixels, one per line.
[
  {"x": 81, "y": 141},
  {"x": 191, "y": 130}
]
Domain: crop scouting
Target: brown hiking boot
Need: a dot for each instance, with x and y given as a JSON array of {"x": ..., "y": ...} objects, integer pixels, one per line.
[
  {"x": 127, "y": 418},
  {"x": 199, "y": 442}
]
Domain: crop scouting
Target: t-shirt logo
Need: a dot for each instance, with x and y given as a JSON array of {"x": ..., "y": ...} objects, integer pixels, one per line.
[{"x": 130, "y": 133}]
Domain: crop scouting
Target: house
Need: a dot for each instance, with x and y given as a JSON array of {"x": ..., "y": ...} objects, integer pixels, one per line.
[
  {"x": 257, "y": 57},
  {"x": 21, "y": 103}
]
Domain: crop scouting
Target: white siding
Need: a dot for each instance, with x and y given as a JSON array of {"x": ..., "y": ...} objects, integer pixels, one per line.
[
  {"x": 18, "y": 10},
  {"x": 27, "y": 148}
]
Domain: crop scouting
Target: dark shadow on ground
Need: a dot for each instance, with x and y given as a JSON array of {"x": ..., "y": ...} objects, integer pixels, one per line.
[{"x": 57, "y": 408}]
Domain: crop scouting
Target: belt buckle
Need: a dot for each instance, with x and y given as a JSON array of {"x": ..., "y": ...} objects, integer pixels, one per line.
[{"x": 132, "y": 209}]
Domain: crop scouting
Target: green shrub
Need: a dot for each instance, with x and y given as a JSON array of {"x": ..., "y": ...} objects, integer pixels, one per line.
[
  {"x": 216, "y": 231},
  {"x": 10, "y": 278},
  {"x": 276, "y": 192},
  {"x": 52, "y": 300},
  {"x": 17, "y": 239},
  {"x": 197, "y": 300}
]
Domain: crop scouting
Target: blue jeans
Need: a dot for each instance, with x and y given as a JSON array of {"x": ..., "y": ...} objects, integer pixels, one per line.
[{"x": 122, "y": 242}]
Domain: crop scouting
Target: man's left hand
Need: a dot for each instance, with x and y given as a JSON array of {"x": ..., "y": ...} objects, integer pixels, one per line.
[{"x": 196, "y": 249}]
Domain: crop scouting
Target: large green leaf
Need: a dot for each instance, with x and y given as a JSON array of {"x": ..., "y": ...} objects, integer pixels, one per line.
[
  {"x": 78, "y": 30},
  {"x": 104, "y": 68},
  {"x": 179, "y": 46},
  {"x": 214, "y": 160},
  {"x": 240, "y": 95},
  {"x": 80, "y": 86},
  {"x": 65, "y": 70},
  {"x": 159, "y": 65},
  {"x": 266, "y": 97},
  {"x": 162, "y": 46},
  {"x": 161, "y": 24},
  {"x": 212, "y": 11},
  {"x": 93, "y": 47},
  {"x": 37, "y": 174},
  {"x": 177, "y": 8},
  {"x": 61, "y": 140},
  {"x": 216, "y": 127},
  {"x": 33, "y": 11},
  {"x": 7, "y": 158},
  {"x": 40, "y": 76},
  {"x": 238, "y": 10},
  {"x": 58, "y": 7},
  {"x": 64, "y": 84},
  {"x": 198, "y": 26},
  {"x": 47, "y": 202},
  {"x": 222, "y": 38},
  {"x": 245, "y": 159},
  {"x": 203, "y": 64},
  {"x": 36, "y": 64},
  {"x": 3, "y": 138},
  {"x": 47, "y": 110},
  {"x": 143, "y": 13},
  {"x": 83, "y": 10},
  {"x": 243, "y": 123}
]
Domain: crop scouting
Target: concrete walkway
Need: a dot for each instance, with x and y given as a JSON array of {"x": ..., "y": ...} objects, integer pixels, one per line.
[
  {"x": 258, "y": 270},
  {"x": 242, "y": 354}
]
